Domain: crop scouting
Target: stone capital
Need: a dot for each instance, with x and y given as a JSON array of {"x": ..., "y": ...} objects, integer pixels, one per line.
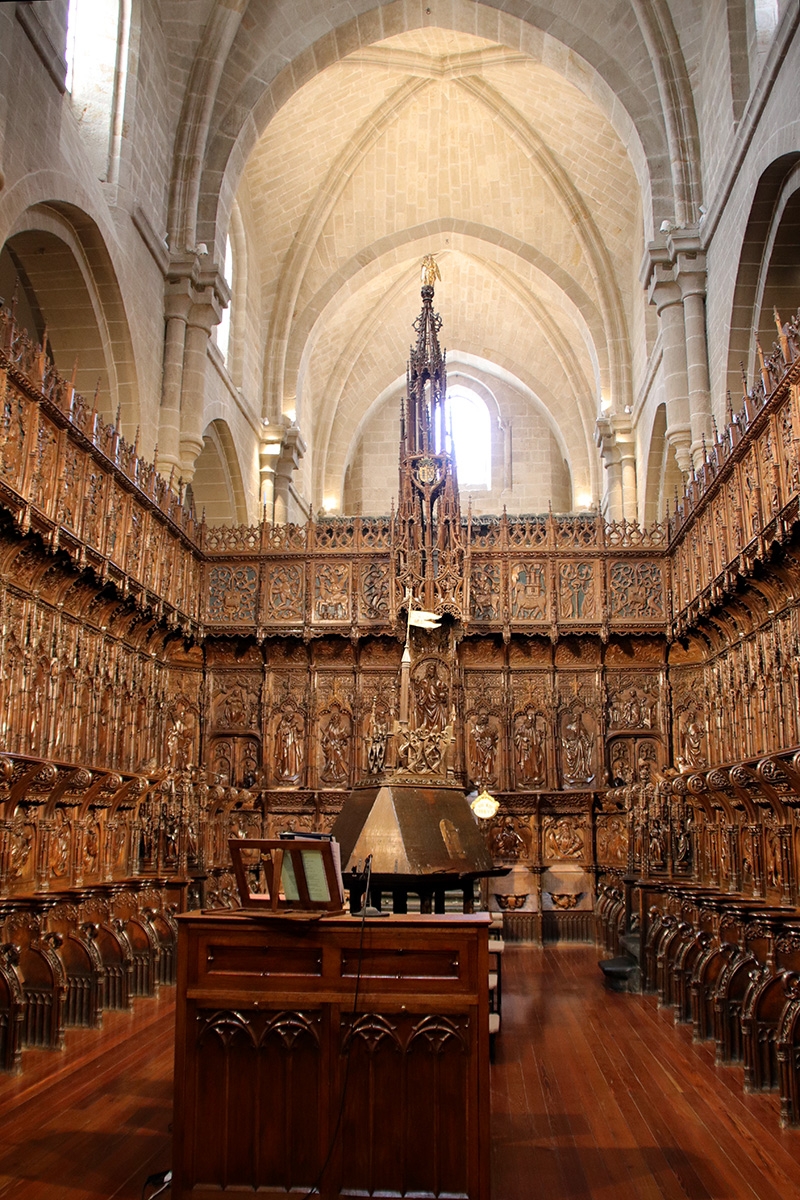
[
  {"x": 605, "y": 439},
  {"x": 282, "y": 448},
  {"x": 195, "y": 293},
  {"x": 663, "y": 290}
]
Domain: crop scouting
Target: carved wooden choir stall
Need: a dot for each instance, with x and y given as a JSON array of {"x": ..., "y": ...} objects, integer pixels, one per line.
[{"x": 630, "y": 696}]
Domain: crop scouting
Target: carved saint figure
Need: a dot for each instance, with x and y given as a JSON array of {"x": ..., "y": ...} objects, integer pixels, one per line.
[
  {"x": 432, "y": 698},
  {"x": 657, "y": 848},
  {"x": 529, "y": 747},
  {"x": 693, "y": 736},
  {"x": 562, "y": 839},
  {"x": 377, "y": 740},
  {"x": 577, "y": 745},
  {"x": 234, "y": 707},
  {"x": 483, "y": 745},
  {"x": 683, "y": 845},
  {"x": 334, "y": 750},
  {"x": 289, "y": 747},
  {"x": 180, "y": 735},
  {"x": 507, "y": 841}
]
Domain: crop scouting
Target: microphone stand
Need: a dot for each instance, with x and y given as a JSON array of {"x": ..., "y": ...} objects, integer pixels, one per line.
[{"x": 367, "y": 909}]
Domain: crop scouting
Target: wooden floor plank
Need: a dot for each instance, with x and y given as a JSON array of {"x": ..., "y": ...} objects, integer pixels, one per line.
[{"x": 595, "y": 1096}]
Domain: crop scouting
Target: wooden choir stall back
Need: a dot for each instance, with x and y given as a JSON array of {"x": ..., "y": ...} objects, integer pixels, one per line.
[{"x": 332, "y": 1052}]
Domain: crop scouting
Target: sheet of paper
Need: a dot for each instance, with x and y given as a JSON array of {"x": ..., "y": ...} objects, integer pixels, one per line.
[
  {"x": 288, "y": 881},
  {"x": 316, "y": 881}
]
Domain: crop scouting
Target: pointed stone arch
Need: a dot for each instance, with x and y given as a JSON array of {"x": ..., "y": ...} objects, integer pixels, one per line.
[
  {"x": 62, "y": 254},
  {"x": 217, "y": 487}
]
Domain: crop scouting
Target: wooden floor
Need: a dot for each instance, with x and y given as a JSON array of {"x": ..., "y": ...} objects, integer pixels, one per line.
[
  {"x": 91, "y": 1122},
  {"x": 596, "y": 1095},
  {"x": 593, "y": 1095}
]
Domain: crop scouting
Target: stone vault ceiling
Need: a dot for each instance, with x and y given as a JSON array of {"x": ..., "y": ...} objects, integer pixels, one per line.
[{"x": 510, "y": 171}]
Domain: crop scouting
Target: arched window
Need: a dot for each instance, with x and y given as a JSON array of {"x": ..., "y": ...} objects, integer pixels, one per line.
[
  {"x": 96, "y": 53},
  {"x": 222, "y": 332},
  {"x": 469, "y": 436}
]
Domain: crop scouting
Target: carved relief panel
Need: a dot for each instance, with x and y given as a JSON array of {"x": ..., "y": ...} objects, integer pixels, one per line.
[
  {"x": 374, "y": 590},
  {"x": 690, "y": 723},
  {"x": 235, "y": 761},
  {"x": 45, "y": 468},
  {"x": 636, "y": 591},
  {"x": 634, "y": 760},
  {"x": 332, "y": 591},
  {"x": 485, "y": 589},
  {"x": 484, "y": 749},
  {"x": 375, "y": 750},
  {"x": 284, "y": 598},
  {"x": 633, "y": 699},
  {"x": 565, "y": 838},
  {"x": 13, "y": 428},
  {"x": 288, "y": 737},
  {"x": 232, "y": 594},
  {"x": 511, "y": 839},
  {"x": 235, "y": 701},
  {"x": 577, "y": 592},
  {"x": 612, "y": 839},
  {"x": 529, "y": 590},
  {"x": 530, "y": 749}
]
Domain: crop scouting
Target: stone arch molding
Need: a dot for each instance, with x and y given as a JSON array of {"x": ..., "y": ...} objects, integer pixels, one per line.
[
  {"x": 549, "y": 291},
  {"x": 95, "y": 277},
  {"x": 613, "y": 344},
  {"x": 335, "y": 431},
  {"x": 548, "y": 305},
  {"x": 240, "y": 78}
]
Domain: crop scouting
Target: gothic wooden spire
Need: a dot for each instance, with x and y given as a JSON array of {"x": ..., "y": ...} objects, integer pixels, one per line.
[{"x": 429, "y": 517}]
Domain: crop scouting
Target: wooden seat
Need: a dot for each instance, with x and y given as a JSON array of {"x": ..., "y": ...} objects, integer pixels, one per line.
[
  {"x": 705, "y": 979},
  {"x": 762, "y": 1010},
  {"x": 728, "y": 1000},
  {"x": 496, "y": 948},
  {"x": 12, "y": 1009},
  {"x": 787, "y": 1050}
]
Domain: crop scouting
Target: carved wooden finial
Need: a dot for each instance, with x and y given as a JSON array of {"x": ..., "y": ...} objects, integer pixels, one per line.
[{"x": 782, "y": 338}]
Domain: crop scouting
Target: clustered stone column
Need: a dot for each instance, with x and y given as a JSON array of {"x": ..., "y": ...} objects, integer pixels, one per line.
[
  {"x": 675, "y": 274},
  {"x": 193, "y": 305}
]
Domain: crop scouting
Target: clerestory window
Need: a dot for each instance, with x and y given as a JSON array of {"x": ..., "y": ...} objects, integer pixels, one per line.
[
  {"x": 222, "y": 332},
  {"x": 469, "y": 436},
  {"x": 96, "y": 53}
]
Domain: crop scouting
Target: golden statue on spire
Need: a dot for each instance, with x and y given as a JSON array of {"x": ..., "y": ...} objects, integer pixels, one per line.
[{"x": 430, "y": 271}]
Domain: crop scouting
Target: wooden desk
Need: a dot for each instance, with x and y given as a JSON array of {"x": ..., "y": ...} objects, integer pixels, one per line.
[{"x": 267, "y": 1038}]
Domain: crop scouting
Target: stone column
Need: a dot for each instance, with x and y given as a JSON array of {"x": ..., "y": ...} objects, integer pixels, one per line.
[
  {"x": 271, "y": 445},
  {"x": 292, "y": 450},
  {"x": 613, "y": 437},
  {"x": 690, "y": 271},
  {"x": 606, "y": 442},
  {"x": 665, "y": 293},
  {"x": 176, "y": 311},
  {"x": 202, "y": 317},
  {"x": 193, "y": 304}
]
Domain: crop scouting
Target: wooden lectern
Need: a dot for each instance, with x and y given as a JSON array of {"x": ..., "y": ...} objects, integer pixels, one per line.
[{"x": 268, "y": 1042}]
